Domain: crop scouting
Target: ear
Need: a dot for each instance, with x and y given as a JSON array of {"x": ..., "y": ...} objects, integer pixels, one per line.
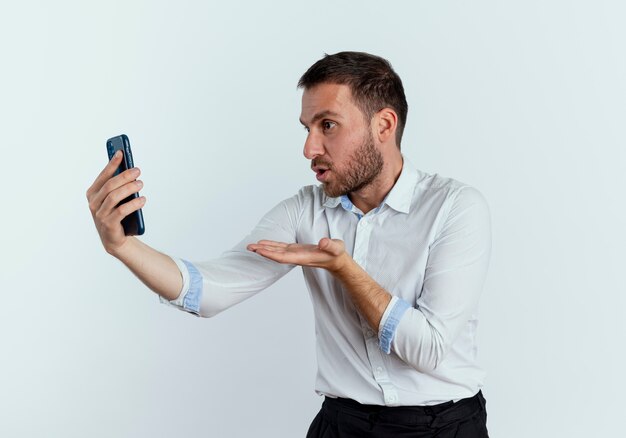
[{"x": 385, "y": 124}]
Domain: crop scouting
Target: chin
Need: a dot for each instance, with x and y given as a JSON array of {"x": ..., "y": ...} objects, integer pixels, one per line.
[{"x": 333, "y": 192}]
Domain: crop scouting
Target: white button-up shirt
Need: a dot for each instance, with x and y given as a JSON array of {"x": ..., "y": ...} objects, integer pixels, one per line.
[{"x": 428, "y": 244}]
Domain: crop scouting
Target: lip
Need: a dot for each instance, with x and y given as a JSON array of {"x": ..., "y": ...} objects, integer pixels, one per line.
[{"x": 321, "y": 173}]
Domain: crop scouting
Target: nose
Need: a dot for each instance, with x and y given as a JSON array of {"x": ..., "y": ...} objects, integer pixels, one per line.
[{"x": 313, "y": 146}]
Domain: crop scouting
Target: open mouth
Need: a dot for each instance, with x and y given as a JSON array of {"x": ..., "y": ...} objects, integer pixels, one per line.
[
  {"x": 321, "y": 174},
  {"x": 322, "y": 170}
]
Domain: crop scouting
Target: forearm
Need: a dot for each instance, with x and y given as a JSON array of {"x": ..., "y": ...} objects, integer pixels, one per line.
[
  {"x": 368, "y": 296},
  {"x": 155, "y": 269}
]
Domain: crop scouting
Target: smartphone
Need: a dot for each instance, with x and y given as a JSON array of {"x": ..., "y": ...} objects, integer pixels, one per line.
[{"x": 133, "y": 223}]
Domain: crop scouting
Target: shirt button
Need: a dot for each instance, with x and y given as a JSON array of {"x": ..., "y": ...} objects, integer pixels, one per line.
[
  {"x": 379, "y": 370},
  {"x": 370, "y": 333},
  {"x": 390, "y": 399}
]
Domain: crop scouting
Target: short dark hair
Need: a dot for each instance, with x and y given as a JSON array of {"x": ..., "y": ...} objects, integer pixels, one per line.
[{"x": 373, "y": 83}]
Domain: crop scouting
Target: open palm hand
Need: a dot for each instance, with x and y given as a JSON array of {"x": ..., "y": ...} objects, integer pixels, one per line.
[{"x": 328, "y": 253}]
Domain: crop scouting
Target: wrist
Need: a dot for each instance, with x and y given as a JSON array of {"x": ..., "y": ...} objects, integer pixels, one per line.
[
  {"x": 123, "y": 251},
  {"x": 341, "y": 265}
]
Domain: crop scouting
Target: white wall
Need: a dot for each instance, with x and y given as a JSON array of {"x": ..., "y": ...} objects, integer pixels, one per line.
[{"x": 524, "y": 100}]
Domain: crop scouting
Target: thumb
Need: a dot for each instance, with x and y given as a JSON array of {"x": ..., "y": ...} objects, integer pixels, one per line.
[{"x": 333, "y": 246}]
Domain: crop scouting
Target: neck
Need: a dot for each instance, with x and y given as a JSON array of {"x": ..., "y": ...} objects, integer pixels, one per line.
[{"x": 371, "y": 196}]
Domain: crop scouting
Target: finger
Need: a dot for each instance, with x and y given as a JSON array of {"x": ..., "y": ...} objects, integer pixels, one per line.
[
  {"x": 119, "y": 180},
  {"x": 272, "y": 243},
  {"x": 256, "y": 247},
  {"x": 106, "y": 173},
  {"x": 128, "y": 207},
  {"x": 119, "y": 194},
  {"x": 269, "y": 245},
  {"x": 277, "y": 256},
  {"x": 333, "y": 246},
  {"x": 326, "y": 244},
  {"x": 113, "y": 184}
]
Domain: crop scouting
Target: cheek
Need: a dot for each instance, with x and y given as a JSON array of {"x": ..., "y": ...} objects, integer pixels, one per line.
[
  {"x": 340, "y": 148},
  {"x": 346, "y": 147}
]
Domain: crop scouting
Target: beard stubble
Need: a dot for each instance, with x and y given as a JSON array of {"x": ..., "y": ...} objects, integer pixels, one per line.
[{"x": 364, "y": 166}]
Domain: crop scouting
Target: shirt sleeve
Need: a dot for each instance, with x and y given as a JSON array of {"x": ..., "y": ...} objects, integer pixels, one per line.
[
  {"x": 453, "y": 281},
  {"x": 389, "y": 322},
  {"x": 191, "y": 291},
  {"x": 210, "y": 287}
]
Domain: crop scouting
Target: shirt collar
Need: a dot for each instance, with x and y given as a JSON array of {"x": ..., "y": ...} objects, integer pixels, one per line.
[
  {"x": 401, "y": 194},
  {"x": 331, "y": 202}
]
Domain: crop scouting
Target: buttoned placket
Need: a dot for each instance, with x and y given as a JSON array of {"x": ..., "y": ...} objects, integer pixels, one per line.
[{"x": 374, "y": 354}]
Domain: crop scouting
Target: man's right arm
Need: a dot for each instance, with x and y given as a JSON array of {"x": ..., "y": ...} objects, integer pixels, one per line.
[
  {"x": 155, "y": 269},
  {"x": 202, "y": 288}
]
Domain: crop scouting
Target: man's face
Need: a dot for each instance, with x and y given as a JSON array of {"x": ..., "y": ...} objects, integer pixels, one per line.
[{"x": 339, "y": 143}]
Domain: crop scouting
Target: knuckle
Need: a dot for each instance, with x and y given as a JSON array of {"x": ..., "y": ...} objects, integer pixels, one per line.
[
  {"x": 106, "y": 188},
  {"x": 120, "y": 211},
  {"x": 130, "y": 174},
  {"x": 106, "y": 201},
  {"x": 125, "y": 208},
  {"x": 134, "y": 205}
]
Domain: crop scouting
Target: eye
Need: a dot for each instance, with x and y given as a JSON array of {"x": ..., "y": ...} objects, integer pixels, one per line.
[
  {"x": 327, "y": 124},
  {"x": 306, "y": 128}
]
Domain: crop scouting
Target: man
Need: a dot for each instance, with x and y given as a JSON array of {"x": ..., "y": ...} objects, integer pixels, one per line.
[{"x": 394, "y": 259}]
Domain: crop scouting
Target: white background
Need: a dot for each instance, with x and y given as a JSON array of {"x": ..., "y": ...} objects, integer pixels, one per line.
[{"x": 523, "y": 100}]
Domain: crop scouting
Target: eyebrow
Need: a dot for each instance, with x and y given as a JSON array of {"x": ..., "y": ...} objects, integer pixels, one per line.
[{"x": 321, "y": 115}]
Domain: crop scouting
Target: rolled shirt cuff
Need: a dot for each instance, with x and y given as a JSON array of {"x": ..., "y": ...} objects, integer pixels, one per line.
[
  {"x": 191, "y": 291},
  {"x": 389, "y": 322}
]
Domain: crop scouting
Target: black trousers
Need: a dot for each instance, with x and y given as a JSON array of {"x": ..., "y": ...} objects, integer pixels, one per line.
[{"x": 345, "y": 418}]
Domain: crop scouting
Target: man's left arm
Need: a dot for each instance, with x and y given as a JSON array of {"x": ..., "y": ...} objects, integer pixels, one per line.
[{"x": 419, "y": 333}]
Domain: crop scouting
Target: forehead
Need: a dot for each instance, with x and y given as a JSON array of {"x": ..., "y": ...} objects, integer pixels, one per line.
[{"x": 336, "y": 98}]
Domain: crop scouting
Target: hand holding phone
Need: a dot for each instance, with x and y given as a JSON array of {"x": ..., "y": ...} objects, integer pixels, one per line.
[
  {"x": 111, "y": 199},
  {"x": 133, "y": 223}
]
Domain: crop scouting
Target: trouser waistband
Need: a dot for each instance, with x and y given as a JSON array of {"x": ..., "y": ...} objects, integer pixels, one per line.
[{"x": 409, "y": 415}]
